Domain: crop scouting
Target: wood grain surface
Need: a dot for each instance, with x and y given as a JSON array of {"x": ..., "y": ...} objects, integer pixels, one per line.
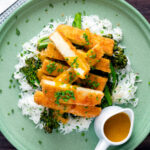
[{"x": 144, "y": 7}]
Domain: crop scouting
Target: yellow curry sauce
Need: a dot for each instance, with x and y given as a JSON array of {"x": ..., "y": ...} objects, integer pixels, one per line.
[{"x": 117, "y": 127}]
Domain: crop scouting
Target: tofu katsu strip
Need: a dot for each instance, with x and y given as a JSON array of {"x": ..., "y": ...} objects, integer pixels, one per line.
[
  {"x": 94, "y": 55},
  {"x": 47, "y": 78},
  {"x": 53, "y": 52},
  {"x": 88, "y": 112},
  {"x": 93, "y": 82},
  {"x": 69, "y": 52},
  {"x": 42, "y": 55},
  {"x": 69, "y": 94},
  {"x": 41, "y": 75},
  {"x": 103, "y": 65},
  {"x": 53, "y": 68},
  {"x": 77, "y": 36},
  {"x": 106, "y": 43},
  {"x": 68, "y": 76}
]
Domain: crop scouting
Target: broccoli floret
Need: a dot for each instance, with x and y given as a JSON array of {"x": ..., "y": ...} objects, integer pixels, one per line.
[
  {"x": 50, "y": 122},
  {"x": 30, "y": 70},
  {"x": 119, "y": 60}
]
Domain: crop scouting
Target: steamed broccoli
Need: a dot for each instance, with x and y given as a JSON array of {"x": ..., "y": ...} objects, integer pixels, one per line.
[
  {"x": 119, "y": 60},
  {"x": 49, "y": 121},
  {"x": 30, "y": 70}
]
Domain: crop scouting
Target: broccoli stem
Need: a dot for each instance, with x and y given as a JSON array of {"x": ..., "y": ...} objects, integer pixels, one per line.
[
  {"x": 43, "y": 43},
  {"x": 41, "y": 46},
  {"x": 108, "y": 96},
  {"x": 77, "y": 21},
  {"x": 114, "y": 76}
]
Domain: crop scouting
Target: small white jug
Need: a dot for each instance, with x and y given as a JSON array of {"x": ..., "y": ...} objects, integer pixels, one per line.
[{"x": 106, "y": 113}]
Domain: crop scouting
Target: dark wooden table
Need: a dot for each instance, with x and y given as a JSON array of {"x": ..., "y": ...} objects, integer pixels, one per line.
[{"x": 144, "y": 7}]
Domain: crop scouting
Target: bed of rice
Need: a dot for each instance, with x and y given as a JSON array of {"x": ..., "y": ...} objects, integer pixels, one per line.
[{"x": 124, "y": 92}]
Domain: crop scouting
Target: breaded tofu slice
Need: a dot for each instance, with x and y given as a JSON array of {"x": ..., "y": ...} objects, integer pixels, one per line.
[
  {"x": 53, "y": 68},
  {"x": 82, "y": 111},
  {"x": 41, "y": 75},
  {"x": 52, "y": 52},
  {"x": 68, "y": 76},
  {"x": 42, "y": 55},
  {"x": 93, "y": 82},
  {"x": 75, "y": 35},
  {"x": 69, "y": 94},
  {"x": 45, "y": 77},
  {"x": 94, "y": 55},
  {"x": 106, "y": 43},
  {"x": 103, "y": 65},
  {"x": 70, "y": 54}
]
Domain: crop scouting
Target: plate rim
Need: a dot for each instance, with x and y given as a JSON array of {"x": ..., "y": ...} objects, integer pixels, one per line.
[{"x": 3, "y": 130}]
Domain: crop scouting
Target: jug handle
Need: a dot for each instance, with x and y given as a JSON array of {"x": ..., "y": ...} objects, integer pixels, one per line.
[{"x": 102, "y": 145}]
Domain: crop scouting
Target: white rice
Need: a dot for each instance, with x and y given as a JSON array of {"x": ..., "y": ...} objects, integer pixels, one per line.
[{"x": 125, "y": 90}]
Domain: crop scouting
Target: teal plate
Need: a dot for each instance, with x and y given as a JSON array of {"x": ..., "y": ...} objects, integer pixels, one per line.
[{"x": 136, "y": 38}]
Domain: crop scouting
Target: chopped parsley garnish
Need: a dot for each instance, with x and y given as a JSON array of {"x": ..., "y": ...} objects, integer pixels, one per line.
[
  {"x": 22, "y": 129},
  {"x": 93, "y": 56},
  {"x": 1, "y": 91},
  {"x": 8, "y": 43},
  {"x": 51, "y": 26},
  {"x": 85, "y": 36},
  {"x": 75, "y": 64},
  {"x": 12, "y": 111},
  {"x": 64, "y": 95},
  {"x": 86, "y": 140},
  {"x": 1, "y": 59},
  {"x": 17, "y": 32},
  {"x": 72, "y": 76},
  {"x": 77, "y": 127},
  {"x": 51, "y": 5},
  {"x": 30, "y": 70},
  {"x": 82, "y": 134},
  {"x": 83, "y": 1},
  {"x": 92, "y": 67},
  {"x": 97, "y": 98},
  {"x": 40, "y": 142},
  {"x": 27, "y": 20},
  {"x": 51, "y": 67},
  {"x": 149, "y": 83},
  {"x": 60, "y": 70},
  {"x": 51, "y": 20},
  {"x": 46, "y": 10}
]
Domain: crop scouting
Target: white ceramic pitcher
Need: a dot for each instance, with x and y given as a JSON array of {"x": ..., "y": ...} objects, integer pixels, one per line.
[{"x": 106, "y": 113}]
